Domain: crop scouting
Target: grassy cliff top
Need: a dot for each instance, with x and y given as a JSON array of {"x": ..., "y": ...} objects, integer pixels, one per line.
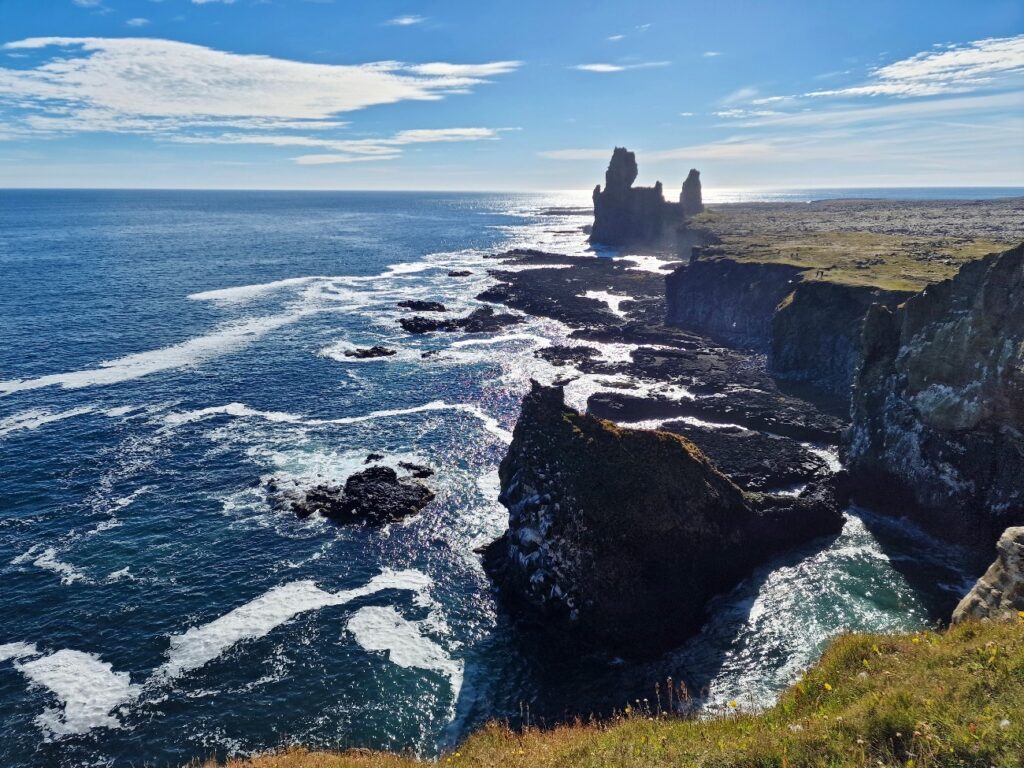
[
  {"x": 894, "y": 245},
  {"x": 953, "y": 698}
]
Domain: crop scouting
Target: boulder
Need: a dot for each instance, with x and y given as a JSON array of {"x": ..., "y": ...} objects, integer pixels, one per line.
[
  {"x": 459, "y": 273},
  {"x": 690, "y": 197},
  {"x": 618, "y": 538},
  {"x": 423, "y": 306},
  {"x": 938, "y": 402},
  {"x": 999, "y": 594},
  {"x": 364, "y": 353}
]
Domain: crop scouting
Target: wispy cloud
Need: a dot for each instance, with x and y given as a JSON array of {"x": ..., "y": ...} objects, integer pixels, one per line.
[
  {"x": 131, "y": 83},
  {"x": 350, "y": 150},
  {"x": 952, "y": 69},
  {"x": 711, "y": 54},
  {"x": 137, "y": 22},
  {"x": 206, "y": 2},
  {"x": 746, "y": 93},
  {"x": 604, "y": 68},
  {"x": 87, "y": 3},
  {"x": 616, "y": 38},
  {"x": 405, "y": 21}
]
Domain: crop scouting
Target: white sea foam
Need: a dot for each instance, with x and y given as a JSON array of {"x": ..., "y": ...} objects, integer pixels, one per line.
[
  {"x": 88, "y": 688},
  {"x": 382, "y": 628},
  {"x": 647, "y": 264},
  {"x": 536, "y": 339},
  {"x": 612, "y": 300},
  {"x": 35, "y": 418},
  {"x": 68, "y": 573},
  {"x": 244, "y": 293},
  {"x": 10, "y": 651},
  {"x": 199, "y": 645},
  {"x": 240, "y": 410},
  {"x": 227, "y": 339}
]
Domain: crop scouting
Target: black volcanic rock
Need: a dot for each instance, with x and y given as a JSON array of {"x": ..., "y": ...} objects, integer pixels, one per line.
[
  {"x": 624, "y": 214},
  {"x": 459, "y": 273},
  {"x": 938, "y": 403},
  {"x": 753, "y": 460},
  {"x": 618, "y": 538},
  {"x": 418, "y": 305},
  {"x": 483, "y": 320},
  {"x": 375, "y": 496},
  {"x": 690, "y": 198},
  {"x": 416, "y": 470},
  {"x": 363, "y": 353}
]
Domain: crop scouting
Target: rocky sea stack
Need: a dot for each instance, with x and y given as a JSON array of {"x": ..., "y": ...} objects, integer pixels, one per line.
[
  {"x": 618, "y": 537},
  {"x": 938, "y": 404},
  {"x": 628, "y": 215}
]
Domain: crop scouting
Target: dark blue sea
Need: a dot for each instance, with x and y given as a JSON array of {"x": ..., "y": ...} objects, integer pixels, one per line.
[{"x": 164, "y": 354}]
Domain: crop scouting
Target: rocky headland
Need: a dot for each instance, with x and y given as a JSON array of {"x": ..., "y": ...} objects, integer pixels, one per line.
[{"x": 618, "y": 537}]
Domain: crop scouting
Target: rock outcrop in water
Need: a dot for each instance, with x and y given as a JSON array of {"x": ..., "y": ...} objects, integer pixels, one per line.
[
  {"x": 375, "y": 496},
  {"x": 690, "y": 198},
  {"x": 938, "y": 406},
  {"x": 628, "y": 215},
  {"x": 483, "y": 320},
  {"x": 618, "y": 537},
  {"x": 999, "y": 594}
]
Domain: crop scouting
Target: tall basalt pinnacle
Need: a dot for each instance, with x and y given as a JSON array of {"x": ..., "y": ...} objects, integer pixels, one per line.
[
  {"x": 690, "y": 198},
  {"x": 622, "y": 171}
]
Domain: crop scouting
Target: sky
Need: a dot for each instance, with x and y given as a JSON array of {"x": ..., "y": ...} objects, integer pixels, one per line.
[{"x": 495, "y": 95}]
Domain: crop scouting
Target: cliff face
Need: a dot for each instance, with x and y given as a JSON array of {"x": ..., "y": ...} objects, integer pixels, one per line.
[
  {"x": 624, "y": 214},
  {"x": 617, "y": 538},
  {"x": 811, "y": 330},
  {"x": 816, "y": 333},
  {"x": 729, "y": 300},
  {"x": 938, "y": 407},
  {"x": 999, "y": 594}
]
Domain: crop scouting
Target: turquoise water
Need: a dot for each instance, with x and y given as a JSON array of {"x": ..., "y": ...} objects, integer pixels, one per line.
[{"x": 165, "y": 353}]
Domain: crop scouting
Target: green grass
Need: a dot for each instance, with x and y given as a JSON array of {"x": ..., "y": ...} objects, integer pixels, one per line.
[
  {"x": 891, "y": 262},
  {"x": 924, "y": 700}
]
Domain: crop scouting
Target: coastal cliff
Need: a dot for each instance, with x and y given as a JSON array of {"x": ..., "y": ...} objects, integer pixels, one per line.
[
  {"x": 628, "y": 215},
  {"x": 618, "y": 537},
  {"x": 810, "y": 329},
  {"x": 938, "y": 406},
  {"x": 999, "y": 594}
]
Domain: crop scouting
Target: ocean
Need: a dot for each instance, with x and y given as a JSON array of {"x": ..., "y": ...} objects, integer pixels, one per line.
[{"x": 164, "y": 354}]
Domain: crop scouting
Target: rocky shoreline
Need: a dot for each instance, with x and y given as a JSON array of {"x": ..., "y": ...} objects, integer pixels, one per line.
[{"x": 753, "y": 362}]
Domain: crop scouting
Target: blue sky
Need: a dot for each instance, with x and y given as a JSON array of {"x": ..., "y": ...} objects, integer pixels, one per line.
[{"x": 509, "y": 95}]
